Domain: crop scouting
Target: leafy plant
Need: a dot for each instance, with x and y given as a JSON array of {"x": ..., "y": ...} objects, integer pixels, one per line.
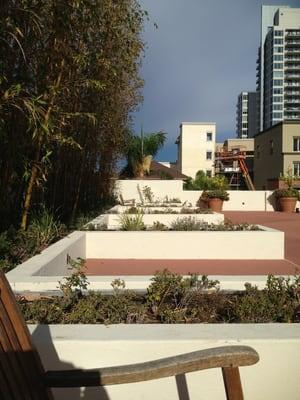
[
  {"x": 186, "y": 224},
  {"x": 158, "y": 226},
  {"x": 77, "y": 281},
  {"x": 204, "y": 182},
  {"x": 290, "y": 192},
  {"x": 140, "y": 150},
  {"x": 132, "y": 222},
  {"x": 217, "y": 193},
  {"x": 148, "y": 193}
]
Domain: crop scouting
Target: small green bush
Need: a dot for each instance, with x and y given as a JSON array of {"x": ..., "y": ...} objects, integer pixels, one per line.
[
  {"x": 215, "y": 194},
  {"x": 291, "y": 192},
  {"x": 132, "y": 222},
  {"x": 170, "y": 298}
]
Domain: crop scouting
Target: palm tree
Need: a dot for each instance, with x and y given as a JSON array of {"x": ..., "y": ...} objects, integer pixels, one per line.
[{"x": 140, "y": 151}]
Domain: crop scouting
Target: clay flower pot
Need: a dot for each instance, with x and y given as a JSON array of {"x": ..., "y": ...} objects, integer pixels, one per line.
[
  {"x": 287, "y": 204},
  {"x": 215, "y": 204}
]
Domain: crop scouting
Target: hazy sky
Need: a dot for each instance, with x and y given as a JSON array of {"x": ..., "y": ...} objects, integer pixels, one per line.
[{"x": 200, "y": 58}]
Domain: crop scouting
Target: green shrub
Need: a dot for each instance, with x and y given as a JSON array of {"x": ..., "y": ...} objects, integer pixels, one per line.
[
  {"x": 291, "y": 192},
  {"x": 132, "y": 222},
  {"x": 186, "y": 224},
  {"x": 158, "y": 226},
  {"x": 203, "y": 182},
  {"x": 170, "y": 298},
  {"x": 215, "y": 194},
  {"x": 278, "y": 302}
]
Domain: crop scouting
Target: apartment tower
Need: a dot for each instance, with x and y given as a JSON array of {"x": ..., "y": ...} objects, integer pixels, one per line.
[
  {"x": 278, "y": 66},
  {"x": 246, "y": 115}
]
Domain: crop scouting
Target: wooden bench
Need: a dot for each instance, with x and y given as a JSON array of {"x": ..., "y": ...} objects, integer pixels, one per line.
[{"x": 22, "y": 375}]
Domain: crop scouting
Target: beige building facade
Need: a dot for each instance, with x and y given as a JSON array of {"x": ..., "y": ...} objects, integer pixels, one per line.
[
  {"x": 277, "y": 150},
  {"x": 196, "y": 148}
]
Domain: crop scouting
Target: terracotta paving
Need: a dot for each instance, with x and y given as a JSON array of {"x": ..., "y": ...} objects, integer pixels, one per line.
[{"x": 289, "y": 223}]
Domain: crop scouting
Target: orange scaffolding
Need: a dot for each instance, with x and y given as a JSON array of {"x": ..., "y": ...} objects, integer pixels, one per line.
[{"x": 233, "y": 163}]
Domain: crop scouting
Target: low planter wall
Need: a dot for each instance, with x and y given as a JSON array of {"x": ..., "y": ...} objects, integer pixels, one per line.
[
  {"x": 275, "y": 376},
  {"x": 245, "y": 245},
  {"x": 239, "y": 200},
  {"x": 43, "y": 272},
  {"x": 113, "y": 220}
]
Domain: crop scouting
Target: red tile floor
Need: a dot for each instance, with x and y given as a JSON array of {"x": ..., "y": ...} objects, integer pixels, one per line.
[{"x": 289, "y": 223}]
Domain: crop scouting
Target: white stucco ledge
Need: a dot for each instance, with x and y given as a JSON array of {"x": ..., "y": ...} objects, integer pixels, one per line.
[
  {"x": 49, "y": 285},
  {"x": 276, "y": 376}
]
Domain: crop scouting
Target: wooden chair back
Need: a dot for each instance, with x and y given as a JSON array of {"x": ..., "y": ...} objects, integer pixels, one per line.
[{"x": 21, "y": 370}]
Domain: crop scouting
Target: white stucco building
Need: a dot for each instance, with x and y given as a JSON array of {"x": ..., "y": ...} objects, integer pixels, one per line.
[{"x": 196, "y": 148}]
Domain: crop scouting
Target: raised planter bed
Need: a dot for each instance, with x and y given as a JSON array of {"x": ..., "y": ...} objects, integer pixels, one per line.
[
  {"x": 246, "y": 245},
  {"x": 42, "y": 272},
  {"x": 112, "y": 221}
]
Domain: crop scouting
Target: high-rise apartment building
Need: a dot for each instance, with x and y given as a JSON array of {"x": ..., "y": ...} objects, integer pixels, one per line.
[
  {"x": 278, "y": 66},
  {"x": 246, "y": 115}
]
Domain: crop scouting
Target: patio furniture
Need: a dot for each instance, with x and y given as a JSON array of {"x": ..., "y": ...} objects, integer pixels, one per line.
[
  {"x": 22, "y": 375},
  {"x": 129, "y": 202}
]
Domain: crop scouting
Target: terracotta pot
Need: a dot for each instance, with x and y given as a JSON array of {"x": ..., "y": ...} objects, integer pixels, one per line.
[
  {"x": 215, "y": 204},
  {"x": 287, "y": 204}
]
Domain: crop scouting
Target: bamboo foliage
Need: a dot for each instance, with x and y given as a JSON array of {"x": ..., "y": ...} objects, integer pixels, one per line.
[{"x": 69, "y": 78}]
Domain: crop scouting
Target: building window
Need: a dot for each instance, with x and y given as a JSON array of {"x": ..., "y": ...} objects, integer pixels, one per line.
[
  {"x": 296, "y": 168},
  {"x": 209, "y": 136},
  {"x": 278, "y": 57},
  {"x": 278, "y": 74},
  {"x": 278, "y": 33},
  {"x": 278, "y": 91},
  {"x": 277, "y": 115},
  {"x": 278, "y": 99},
  {"x": 278, "y": 41},
  {"x": 257, "y": 151},
  {"x": 278, "y": 66},
  {"x": 277, "y": 82},
  {"x": 271, "y": 147},
  {"x": 278, "y": 49},
  {"x": 277, "y": 107},
  {"x": 296, "y": 143},
  {"x": 208, "y": 173},
  {"x": 208, "y": 155}
]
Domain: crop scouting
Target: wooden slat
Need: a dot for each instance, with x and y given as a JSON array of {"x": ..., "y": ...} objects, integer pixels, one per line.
[
  {"x": 227, "y": 356},
  {"x": 26, "y": 369},
  {"x": 232, "y": 383}
]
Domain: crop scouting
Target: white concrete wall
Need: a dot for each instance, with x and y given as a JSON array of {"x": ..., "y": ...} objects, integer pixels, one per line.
[
  {"x": 263, "y": 245},
  {"x": 275, "y": 376},
  {"x": 240, "y": 200},
  {"x": 52, "y": 260}
]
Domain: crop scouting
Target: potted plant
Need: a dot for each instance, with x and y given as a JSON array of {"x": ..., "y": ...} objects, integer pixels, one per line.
[
  {"x": 215, "y": 198},
  {"x": 287, "y": 198}
]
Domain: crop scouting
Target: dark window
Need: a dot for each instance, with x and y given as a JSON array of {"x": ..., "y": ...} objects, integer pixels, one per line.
[
  {"x": 296, "y": 143},
  {"x": 208, "y": 155}
]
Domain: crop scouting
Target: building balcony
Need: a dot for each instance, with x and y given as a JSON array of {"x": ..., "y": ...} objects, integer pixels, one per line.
[
  {"x": 292, "y": 101},
  {"x": 292, "y": 76},
  {"x": 292, "y": 34},
  {"x": 292, "y": 84},
  {"x": 292, "y": 59},
  {"x": 292, "y": 42},
  {"x": 292, "y": 50},
  {"x": 292, "y": 67}
]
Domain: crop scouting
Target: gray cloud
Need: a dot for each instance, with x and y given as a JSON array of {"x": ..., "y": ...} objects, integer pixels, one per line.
[{"x": 197, "y": 61}]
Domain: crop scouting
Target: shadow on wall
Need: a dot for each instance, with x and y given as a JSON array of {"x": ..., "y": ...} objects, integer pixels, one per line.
[
  {"x": 272, "y": 201},
  {"x": 43, "y": 341}
]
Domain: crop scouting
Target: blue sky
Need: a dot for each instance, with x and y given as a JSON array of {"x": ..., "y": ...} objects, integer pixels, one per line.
[{"x": 200, "y": 58}]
